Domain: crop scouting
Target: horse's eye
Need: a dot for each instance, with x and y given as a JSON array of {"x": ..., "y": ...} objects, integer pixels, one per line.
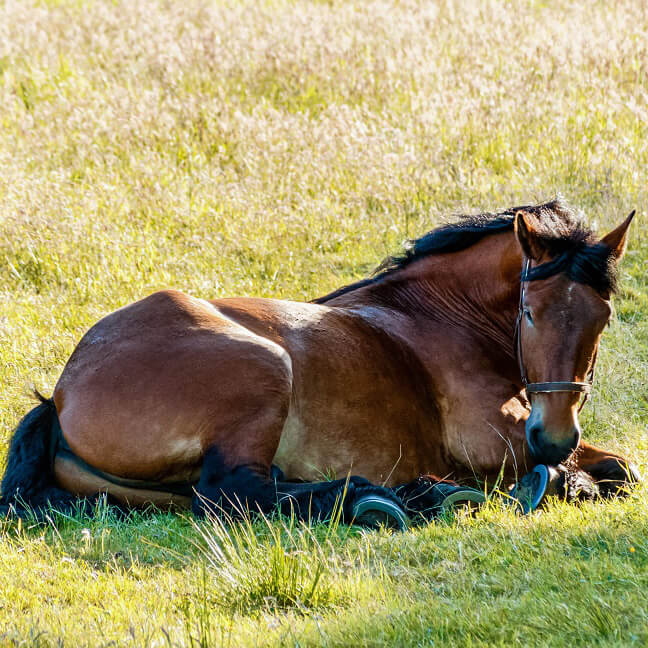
[{"x": 527, "y": 314}]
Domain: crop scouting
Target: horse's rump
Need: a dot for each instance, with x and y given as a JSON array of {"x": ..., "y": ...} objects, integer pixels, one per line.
[{"x": 153, "y": 385}]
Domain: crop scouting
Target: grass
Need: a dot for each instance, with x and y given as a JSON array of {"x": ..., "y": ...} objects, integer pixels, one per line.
[{"x": 282, "y": 149}]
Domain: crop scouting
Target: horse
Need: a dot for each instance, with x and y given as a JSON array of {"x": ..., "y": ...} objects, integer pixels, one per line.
[{"x": 465, "y": 357}]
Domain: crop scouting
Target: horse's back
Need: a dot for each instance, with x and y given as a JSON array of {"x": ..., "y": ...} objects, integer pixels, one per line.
[{"x": 155, "y": 383}]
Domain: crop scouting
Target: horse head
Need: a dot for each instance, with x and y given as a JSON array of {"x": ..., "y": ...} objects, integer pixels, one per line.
[{"x": 566, "y": 285}]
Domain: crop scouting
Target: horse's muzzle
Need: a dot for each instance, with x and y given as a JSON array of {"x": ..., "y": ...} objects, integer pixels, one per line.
[{"x": 549, "y": 448}]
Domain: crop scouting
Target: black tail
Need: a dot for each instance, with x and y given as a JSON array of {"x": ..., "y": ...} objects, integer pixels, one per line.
[{"x": 28, "y": 482}]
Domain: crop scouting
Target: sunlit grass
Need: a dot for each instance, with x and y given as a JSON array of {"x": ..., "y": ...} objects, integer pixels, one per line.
[
  {"x": 271, "y": 566},
  {"x": 282, "y": 149}
]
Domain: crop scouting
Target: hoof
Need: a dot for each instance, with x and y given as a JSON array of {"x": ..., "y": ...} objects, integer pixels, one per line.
[
  {"x": 461, "y": 496},
  {"x": 531, "y": 489},
  {"x": 374, "y": 511}
]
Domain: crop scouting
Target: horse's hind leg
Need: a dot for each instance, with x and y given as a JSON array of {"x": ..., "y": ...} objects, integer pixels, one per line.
[
  {"x": 236, "y": 491},
  {"x": 237, "y": 465},
  {"x": 612, "y": 473}
]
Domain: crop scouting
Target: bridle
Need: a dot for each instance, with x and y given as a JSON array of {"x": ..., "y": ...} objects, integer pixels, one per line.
[{"x": 546, "y": 387}]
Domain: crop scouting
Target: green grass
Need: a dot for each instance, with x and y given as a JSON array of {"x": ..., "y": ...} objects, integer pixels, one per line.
[{"x": 282, "y": 149}]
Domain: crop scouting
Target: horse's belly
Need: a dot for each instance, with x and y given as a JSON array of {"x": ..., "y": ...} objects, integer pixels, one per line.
[
  {"x": 314, "y": 447},
  {"x": 302, "y": 459}
]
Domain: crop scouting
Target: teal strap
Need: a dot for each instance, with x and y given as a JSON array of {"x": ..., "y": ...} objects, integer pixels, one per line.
[{"x": 60, "y": 448}]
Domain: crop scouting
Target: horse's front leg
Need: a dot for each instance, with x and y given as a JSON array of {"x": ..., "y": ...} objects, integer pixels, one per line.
[
  {"x": 427, "y": 497},
  {"x": 612, "y": 473}
]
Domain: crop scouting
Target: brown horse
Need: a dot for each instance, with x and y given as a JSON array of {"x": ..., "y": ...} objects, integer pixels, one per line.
[{"x": 416, "y": 370}]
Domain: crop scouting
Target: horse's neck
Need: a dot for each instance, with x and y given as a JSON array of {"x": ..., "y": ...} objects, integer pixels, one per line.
[{"x": 475, "y": 290}]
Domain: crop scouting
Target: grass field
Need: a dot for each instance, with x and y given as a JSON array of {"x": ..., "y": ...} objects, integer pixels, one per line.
[{"x": 282, "y": 149}]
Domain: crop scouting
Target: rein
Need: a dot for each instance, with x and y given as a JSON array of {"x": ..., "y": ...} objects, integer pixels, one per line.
[{"x": 546, "y": 387}]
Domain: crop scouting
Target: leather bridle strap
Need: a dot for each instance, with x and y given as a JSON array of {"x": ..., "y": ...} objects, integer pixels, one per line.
[
  {"x": 545, "y": 387},
  {"x": 559, "y": 386}
]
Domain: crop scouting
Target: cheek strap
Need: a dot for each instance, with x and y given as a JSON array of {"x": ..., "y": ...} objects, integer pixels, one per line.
[{"x": 546, "y": 387}]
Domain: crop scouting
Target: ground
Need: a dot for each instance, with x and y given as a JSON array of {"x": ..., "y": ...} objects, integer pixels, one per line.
[{"x": 282, "y": 149}]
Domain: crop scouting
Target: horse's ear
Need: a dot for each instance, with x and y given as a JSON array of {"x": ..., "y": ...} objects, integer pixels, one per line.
[
  {"x": 617, "y": 239},
  {"x": 527, "y": 235}
]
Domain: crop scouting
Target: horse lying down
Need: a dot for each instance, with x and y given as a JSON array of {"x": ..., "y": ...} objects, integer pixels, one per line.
[
  {"x": 468, "y": 356},
  {"x": 359, "y": 502}
]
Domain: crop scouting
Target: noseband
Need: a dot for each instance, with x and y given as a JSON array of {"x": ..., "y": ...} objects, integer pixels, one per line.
[{"x": 546, "y": 387}]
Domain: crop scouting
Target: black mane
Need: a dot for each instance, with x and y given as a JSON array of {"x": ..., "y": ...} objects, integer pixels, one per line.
[{"x": 572, "y": 246}]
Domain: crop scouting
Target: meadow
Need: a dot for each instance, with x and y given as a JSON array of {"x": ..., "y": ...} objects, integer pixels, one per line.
[{"x": 282, "y": 149}]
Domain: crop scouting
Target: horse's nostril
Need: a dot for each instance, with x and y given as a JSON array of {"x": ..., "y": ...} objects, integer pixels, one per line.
[
  {"x": 543, "y": 446},
  {"x": 533, "y": 436}
]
